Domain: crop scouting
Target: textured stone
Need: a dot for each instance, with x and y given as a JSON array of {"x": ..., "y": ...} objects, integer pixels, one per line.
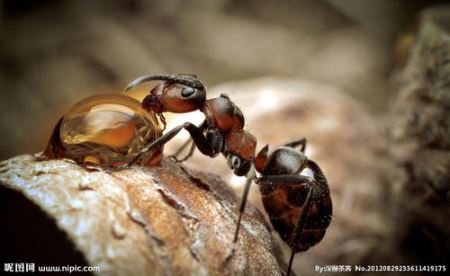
[{"x": 140, "y": 221}]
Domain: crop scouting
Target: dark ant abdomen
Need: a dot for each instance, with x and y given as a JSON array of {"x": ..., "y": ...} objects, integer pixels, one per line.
[{"x": 284, "y": 204}]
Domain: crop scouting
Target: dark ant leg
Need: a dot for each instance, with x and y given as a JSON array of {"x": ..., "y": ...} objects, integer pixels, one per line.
[
  {"x": 196, "y": 133},
  {"x": 319, "y": 185},
  {"x": 248, "y": 182},
  {"x": 174, "y": 156},
  {"x": 289, "y": 180},
  {"x": 284, "y": 179},
  {"x": 299, "y": 227},
  {"x": 299, "y": 142},
  {"x": 183, "y": 146},
  {"x": 191, "y": 151}
]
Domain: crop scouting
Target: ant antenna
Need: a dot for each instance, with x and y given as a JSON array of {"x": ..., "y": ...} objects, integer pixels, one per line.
[{"x": 189, "y": 80}]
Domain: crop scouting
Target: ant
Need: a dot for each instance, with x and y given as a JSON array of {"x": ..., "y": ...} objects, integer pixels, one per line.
[
  {"x": 222, "y": 131},
  {"x": 299, "y": 206}
]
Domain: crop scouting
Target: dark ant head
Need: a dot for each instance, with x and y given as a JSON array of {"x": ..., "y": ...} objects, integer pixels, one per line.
[{"x": 178, "y": 93}]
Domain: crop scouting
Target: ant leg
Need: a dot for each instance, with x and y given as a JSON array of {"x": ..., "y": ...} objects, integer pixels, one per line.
[
  {"x": 299, "y": 228},
  {"x": 289, "y": 180},
  {"x": 202, "y": 126},
  {"x": 183, "y": 146},
  {"x": 191, "y": 151},
  {"x": 196, "y": 133},
  {"x": 320, "y": 184},
  {"x": 299, "y": 142},
  {"x": 284, "y": 179},
  {"x": 248, "y": 182}
]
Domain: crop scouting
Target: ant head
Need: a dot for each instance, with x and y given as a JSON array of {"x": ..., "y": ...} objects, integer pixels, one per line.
[{"x": 178, "y": 93}]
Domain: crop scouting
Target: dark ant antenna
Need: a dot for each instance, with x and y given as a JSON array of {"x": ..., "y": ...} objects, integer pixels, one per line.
[{"x": 186, "y": 79}]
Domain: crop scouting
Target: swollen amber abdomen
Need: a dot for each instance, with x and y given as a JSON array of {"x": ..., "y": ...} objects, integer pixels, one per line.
[{"x": 107, "y": 130}]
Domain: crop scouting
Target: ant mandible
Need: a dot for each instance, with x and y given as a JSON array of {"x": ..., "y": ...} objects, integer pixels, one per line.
[{"x": 299, "y": 206}]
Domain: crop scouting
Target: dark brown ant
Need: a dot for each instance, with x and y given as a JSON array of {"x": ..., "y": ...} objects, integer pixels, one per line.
[
  {"x": 299, "y": 206},
  {"x": 223, "y": 128}
]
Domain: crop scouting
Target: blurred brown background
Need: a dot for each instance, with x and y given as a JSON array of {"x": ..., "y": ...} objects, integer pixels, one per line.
[
  {"x": 335, "y": 59},
  {"x": 54, "y": 53}
]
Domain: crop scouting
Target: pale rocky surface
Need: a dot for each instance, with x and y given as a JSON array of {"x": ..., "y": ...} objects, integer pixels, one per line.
[{"x": 138, "y": 221}]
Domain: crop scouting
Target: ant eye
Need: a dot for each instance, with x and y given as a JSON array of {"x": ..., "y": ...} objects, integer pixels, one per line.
[
  {"x": 188, "y": 91},
  {"x": 181, "y": 98}
]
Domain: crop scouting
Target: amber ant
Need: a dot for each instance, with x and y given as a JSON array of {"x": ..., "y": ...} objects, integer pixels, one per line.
[{"x": 299, "y": 206}]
